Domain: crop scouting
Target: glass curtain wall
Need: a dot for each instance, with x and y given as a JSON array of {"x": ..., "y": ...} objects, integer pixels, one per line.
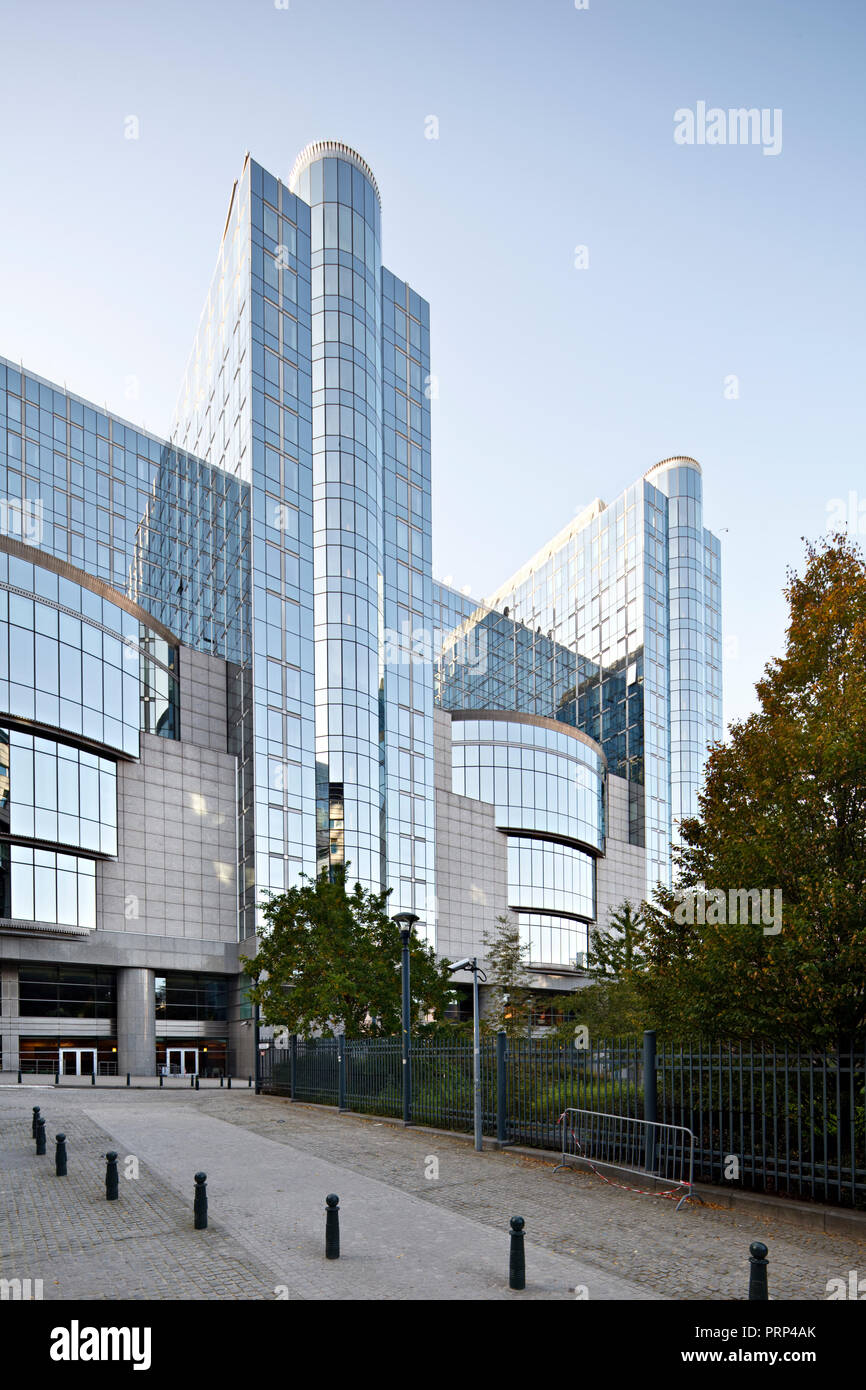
[{"x": 345, "y": 239}]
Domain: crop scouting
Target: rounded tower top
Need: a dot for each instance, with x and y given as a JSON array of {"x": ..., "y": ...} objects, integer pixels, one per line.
[
  {"x": 677, "y": 461},
  {"x": 332, "y": 149}
]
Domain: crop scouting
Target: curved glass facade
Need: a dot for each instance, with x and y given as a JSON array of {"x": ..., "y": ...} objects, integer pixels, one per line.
[
  {"x": 38, "y": 885},
  {"x": 72, "y": 660},
  {"x": 551, "y": 877},
  {"x": 55, "y": 793},
  {"x": 547, "y": 785},
  {"x": 554, "y": 941},
  {"x": 695, "y": 632},
  {"x": 539, "y": 778},
  {"x": 345, "y": 251}
]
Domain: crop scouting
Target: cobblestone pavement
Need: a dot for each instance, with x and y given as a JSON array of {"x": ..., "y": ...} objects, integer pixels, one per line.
[
  {"x": 64, "y": 1232},
  {"x": 404, "y": 1234}
]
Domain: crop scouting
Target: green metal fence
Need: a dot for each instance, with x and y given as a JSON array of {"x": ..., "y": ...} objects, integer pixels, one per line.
[{"x": 768, "y": 1119}]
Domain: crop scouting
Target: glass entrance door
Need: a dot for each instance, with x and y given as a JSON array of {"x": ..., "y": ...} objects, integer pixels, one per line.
[
  {"x": 182, "y": 1061},
  {"x": 77, "y": 1061}
]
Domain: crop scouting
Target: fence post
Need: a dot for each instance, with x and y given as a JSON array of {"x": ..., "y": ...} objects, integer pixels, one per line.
[
  {"x": 501, "y": 1088},
  {"x": 341, "y": 1073},
  {"x": 650, "y": 1096},
  {"x": 293, "y": 1065}
]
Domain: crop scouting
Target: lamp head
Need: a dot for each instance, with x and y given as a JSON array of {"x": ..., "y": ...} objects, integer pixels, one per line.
[{"x": 405, "y": 921}]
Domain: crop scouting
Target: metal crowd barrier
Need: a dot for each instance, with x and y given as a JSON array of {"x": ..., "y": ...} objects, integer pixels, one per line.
[{"x": 646, "y": 1148}]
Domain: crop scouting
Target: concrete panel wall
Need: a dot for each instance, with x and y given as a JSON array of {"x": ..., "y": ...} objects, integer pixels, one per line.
[
  {"x": 177, "y": 868},
  {"x": 203, "y": 700}
]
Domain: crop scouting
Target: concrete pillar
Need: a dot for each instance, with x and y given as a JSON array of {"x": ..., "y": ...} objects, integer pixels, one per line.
[
  {"x": 136, "y": 1022},
  {"x": 9, "y": 1019}
]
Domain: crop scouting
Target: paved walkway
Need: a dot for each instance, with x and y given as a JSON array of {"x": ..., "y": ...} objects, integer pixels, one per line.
[{"x": 422, "y": 1215}]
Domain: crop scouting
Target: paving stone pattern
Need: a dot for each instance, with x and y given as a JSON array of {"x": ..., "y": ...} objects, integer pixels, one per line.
[{"x": 411, "y": 1227}]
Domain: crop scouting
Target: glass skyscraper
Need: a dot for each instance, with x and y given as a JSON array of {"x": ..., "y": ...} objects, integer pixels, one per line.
[
  {"x": 614, "y": 626},
  {"x": 222, "y": 653},
  {"x": 309, "y": 381}
]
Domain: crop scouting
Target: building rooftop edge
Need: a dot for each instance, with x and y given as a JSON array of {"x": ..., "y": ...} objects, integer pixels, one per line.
[
  {"x": 577, "y": 523},
  {"x": 335, "y": 149},
  {"x": 675, "y": 458}
]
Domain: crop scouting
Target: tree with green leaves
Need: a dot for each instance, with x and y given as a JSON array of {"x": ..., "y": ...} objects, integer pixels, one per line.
[
  {"x": 612, "y": 1005},
  {"x": 329, "y": 962},
  {"x": 617, "y": 950},
  {"x": 510, "y": 996},
  {"x": 783, "y": 807}
]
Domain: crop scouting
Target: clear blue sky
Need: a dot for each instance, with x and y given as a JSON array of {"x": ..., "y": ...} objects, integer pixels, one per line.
[{"x": 555, "y": 130}]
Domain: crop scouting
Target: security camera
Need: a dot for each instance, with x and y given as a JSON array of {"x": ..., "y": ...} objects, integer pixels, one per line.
[{"x": 461, "y": 964}]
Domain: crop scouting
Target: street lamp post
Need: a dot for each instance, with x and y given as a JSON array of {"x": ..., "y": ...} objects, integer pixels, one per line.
[
  {"x": 472, "y": 964},
  {"x": 406, "y": 921},
  {"x": 258, "y": 1055}
]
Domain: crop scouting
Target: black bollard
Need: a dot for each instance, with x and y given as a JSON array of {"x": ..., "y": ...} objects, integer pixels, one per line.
[
  {"x": 517, "y": 1258},
  {"x": 222, "y": 1080},
  {"x": 127, "y": 1078},
  {"x": 191, "y": 1082},
  {"x": 111, "y": 1177},
  {"x": 19, "y": 1078},
  {"x": 249, "y": 1083},
  {"x": 758, "y": 1271},
  {"x": 35, "y": 1120},
  {"x": 229, "y": 1082},
  {"x": 200, "y": 1203},
  {"x": 196, "y": 1084},
  {"x": 160, "y": 1079},
  {"x": 57, "y": 1078},
  {"x": 40, "y": 1135},
  {"x": 60, "y": 1156},
  {"x": 93, "y": 1078},
  {"x": 332, "y": 1227}
]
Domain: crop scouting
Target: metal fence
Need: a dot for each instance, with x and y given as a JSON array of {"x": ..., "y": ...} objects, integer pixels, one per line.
[
  {"x": 768, "y": 1119},
  {"x": 774, "y": 1119},
  {"x": 643, "y": 1148}
]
